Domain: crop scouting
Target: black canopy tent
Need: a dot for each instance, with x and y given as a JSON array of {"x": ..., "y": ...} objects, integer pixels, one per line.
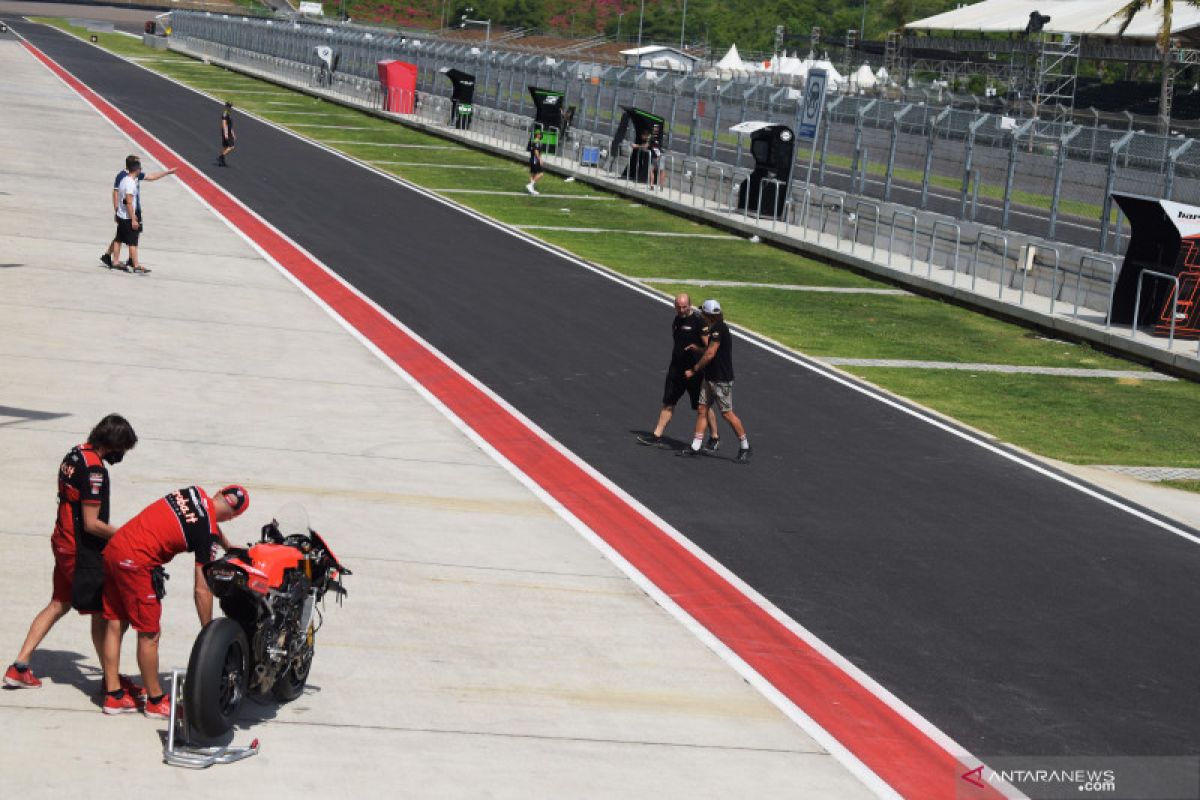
[
  {"x": 773, "y": 147},
  {"x": 549, "y": 115},
  {"x": 1165, "y": 239},
  {"x": 647, "y": 128},
  {"x": 461, "y": 97}
]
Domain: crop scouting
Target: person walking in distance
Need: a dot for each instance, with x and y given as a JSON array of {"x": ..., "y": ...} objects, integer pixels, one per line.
[
  {"x": 112, "y": 256},
  {"x": 81, "y": 529},
  {"x": 689, "y": 333},
  {"x": 129, "y": 230},
  {"x": 535, "y": 162},
  {"x": 185, "y": 520},
  {"x": 716, "y": 388},
  {"x": 228, "y": 137}
]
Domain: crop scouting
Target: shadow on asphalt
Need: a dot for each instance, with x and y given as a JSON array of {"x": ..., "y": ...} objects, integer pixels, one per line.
[{"x": 68, "y": 667}]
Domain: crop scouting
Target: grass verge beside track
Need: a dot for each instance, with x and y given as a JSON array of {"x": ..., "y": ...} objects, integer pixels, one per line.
[{"x": 1077, "y": 420}]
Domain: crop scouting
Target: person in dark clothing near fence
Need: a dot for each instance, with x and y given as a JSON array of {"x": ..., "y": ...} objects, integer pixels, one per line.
[{"x": 536, "y": 170}]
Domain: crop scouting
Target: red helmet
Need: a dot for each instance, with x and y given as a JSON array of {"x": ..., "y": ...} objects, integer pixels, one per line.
[{"x": 236, "y": 497}]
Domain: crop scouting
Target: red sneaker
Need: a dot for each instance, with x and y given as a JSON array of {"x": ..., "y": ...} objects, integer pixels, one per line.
[
  {"x": 159, "y": 710},
  {"x": 15, "y": 679},
  {"x": 137, "y": 692},
  {"x": 124, "y": 705}
]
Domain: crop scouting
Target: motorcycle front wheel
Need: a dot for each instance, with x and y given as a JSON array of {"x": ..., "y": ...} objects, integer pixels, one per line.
[{"x": 216, "y": 678}]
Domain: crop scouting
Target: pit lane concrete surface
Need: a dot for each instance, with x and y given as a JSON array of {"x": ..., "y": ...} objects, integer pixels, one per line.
[{"x": 485, "y": 650}]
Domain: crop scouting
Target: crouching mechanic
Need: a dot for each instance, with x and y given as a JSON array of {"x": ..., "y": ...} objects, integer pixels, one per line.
[{"x": 184, "y": 520}]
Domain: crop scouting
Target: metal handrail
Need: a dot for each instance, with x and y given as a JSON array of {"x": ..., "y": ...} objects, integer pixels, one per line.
[
  {"x": 840, "y": 201},
  {"x": 1112, "y": 285},
  {"x": 1137, "y": 302},
  {"x": 858, "y": 217},
  {"x": 779, "y": 187},
  {"x": 912, "y": 250},
  {"x": 941, "y": 223},
  {"x": 1054, "y": 287},
  {"x": 979, "y": 239}
]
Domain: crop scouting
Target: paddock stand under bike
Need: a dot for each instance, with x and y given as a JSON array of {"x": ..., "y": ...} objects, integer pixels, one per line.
[{"x": 180, "y": 752}]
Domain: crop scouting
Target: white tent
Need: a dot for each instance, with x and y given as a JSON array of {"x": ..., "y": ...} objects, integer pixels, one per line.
[
  {"x": 792, "y": 66},
  {"x": 833, "y": 78},
  {"x": 864, "y": 78},
  {"x": 882, "y": 76},
  {"x": 1089, "y": 17},
  {"x": 731, "y": 60},
  {"x": 770, "y": 65}
]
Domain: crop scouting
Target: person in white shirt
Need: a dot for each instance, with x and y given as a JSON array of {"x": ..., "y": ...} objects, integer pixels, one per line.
[
  {"x": 112, "y": 256},
  {"x": 128, "y": 226}
]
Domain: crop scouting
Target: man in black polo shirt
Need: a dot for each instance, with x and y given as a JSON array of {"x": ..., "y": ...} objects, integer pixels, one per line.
[
  {"x": 716, "y": 388},
  {"x": 689, "y": 331},
  {"x": 228, "y": 137},
  {"x": 81, "y": 530}
]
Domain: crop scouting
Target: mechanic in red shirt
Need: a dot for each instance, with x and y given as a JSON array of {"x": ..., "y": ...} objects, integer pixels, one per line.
[
  {"x": 81, "y": 530},
  {"x": 184, "y": 520}
]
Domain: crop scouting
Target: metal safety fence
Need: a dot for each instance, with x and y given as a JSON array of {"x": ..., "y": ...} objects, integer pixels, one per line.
[
  {"x": 1036, "y": 273},
  {"x": 1027, "y": 175}
]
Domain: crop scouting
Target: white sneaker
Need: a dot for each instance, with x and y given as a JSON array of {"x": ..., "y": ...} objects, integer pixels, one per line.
[{"x": 529, "y": 188}]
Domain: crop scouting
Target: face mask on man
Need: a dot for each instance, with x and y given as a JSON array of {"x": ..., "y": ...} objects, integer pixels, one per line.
[{"x": 114, "y": 458}]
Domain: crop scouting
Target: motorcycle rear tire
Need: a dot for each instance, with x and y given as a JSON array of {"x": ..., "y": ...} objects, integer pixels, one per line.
[
  {"x": 216, "y": 679},
  {"x": 290, "y": 685}
]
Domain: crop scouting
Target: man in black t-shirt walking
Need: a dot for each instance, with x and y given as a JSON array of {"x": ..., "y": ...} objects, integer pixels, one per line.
[
  {"x": 716, "y": 388},
  {"x": 536, "y": 168},
  {"x": 228, "y": 137},
  {"x": 689, "y": 332}
]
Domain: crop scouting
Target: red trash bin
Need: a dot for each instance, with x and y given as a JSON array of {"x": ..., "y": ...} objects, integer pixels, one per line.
[{"x": 399, "y": 81}]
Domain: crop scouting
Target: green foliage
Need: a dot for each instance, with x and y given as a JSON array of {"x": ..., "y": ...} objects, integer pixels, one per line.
[{"x": 750, "y": 24}]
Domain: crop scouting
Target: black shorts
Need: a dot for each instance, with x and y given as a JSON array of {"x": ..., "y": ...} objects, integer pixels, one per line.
[
  {"x": 126, "y": 235},
  {"x": 675, "y": 385},
  {"x": 226, "y": 142},
  {"x": 87, "y": 590},
  {"x": 535, "y": 168}
]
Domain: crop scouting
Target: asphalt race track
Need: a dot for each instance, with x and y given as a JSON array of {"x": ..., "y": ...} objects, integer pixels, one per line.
[{"x": 1017, "y": 614}]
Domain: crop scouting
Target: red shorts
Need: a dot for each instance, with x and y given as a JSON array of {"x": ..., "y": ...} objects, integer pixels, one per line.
[
  {"x": 129, "y": 593},
  {"x": 64, "y": 576}
]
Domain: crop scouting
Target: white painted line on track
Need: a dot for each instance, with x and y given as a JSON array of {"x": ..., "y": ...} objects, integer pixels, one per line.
[
  {"x": 1010, "y": 369},
  {"x": 394, "y": 144},
  {"x": 334, "y": 127},
  {"x": 275, "y": 93},
  {"x": 668, "y": 234},
  {"x": 438, "y": 166},
  {"x": 522, "y": 194},
  {"x": 787, "y": 287}
]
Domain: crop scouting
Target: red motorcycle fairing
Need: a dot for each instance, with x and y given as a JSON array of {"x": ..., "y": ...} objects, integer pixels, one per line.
[
  {"x": 273, "y": 560},
  {"x": 328, "y": 550}
]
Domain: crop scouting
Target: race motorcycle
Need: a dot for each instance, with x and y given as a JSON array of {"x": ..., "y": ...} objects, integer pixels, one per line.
[{"x": 271, "y": 594}]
